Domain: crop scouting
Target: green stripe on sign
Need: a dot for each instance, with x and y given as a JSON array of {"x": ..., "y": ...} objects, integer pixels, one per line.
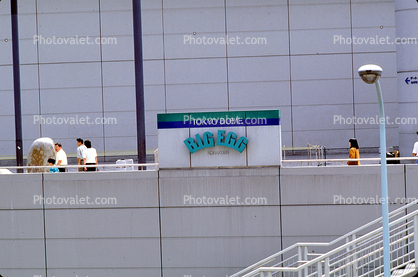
[
  {"x": 169, "y": 117},
  {"x": 263, "y": 114}
]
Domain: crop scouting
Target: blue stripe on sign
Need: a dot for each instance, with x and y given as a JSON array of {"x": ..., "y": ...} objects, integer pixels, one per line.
[
  {"x": 263, "y": 122},
  {"x": 172, "y": 124}
]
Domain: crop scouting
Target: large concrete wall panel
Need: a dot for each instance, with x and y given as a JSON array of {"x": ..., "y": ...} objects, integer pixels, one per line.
[
  {"x": 132, "y": 190},
  {"x": 339, "y": 185},
  {"x": 204, "y": 257},
  {"x": 19, "y": 191},
  {"x": 22, "y": 232},
  {"x": 177, "y": 185},
  {"x": 221, "y": 221},
  {"x": 153, "y": 231},
  {"x": 120, "y": 237},
  {"x": 203, "y": 233}
]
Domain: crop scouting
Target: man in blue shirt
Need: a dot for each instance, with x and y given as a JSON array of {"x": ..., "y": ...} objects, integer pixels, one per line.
[{"x": 80, "y": 149}]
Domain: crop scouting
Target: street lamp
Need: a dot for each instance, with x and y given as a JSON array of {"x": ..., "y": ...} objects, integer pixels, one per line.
[{"x": 370, "y": 74}]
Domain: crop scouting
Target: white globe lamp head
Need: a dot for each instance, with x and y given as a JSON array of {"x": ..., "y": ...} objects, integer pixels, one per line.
[{"x": 370, "y": 73}]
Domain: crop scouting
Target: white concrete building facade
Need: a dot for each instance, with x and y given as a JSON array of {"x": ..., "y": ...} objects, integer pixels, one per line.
[{"x": 297, "y": 56}]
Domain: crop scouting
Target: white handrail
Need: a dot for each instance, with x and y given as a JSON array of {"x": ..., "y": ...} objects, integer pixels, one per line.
[
  {"x": 370, "y": 234},
  {"x": 330, "y": 253},
  {"x": 77, "y": 166},
  {"x": 257, "y": 266},
  {"x": 348, "y": 159}
]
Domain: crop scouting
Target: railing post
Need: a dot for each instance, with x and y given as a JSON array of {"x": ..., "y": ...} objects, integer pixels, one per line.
[
  {"x": 305, "y": 258},
  {"x": 327, "y": 267},
  {"x": 284, "y": 152},
  {"x": 348, "y": 259},
  {"x": 299, "y": 259},
  {"x": 262, "y": 274},
  {"x": 355, "y": 273},
  {"x": 416, "y": 239},
  {"x": 319, "y": 269},
  {"x": 269, "y": 274}
]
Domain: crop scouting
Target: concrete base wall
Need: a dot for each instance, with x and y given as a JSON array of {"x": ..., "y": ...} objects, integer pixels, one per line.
[{"x": 181, "y": 222}]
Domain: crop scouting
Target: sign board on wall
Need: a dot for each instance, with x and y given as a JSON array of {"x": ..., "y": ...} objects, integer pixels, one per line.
[{"x": 211, "y": 139}]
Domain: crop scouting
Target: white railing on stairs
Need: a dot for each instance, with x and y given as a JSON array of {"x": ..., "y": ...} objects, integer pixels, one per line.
[{"x": 356, "y": 254}]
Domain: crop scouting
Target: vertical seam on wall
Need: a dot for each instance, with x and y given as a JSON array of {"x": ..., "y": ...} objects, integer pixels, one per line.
[
  {"x": 44, "y": 221},
  {"x": 101, "y": 77},
  {"x": 38, "y": 65},
  {"x": 165, "y": 73},
  {"x": 280, "y": 210},
  {"x": 405, "y": 187},
  {"x": 160, "y": 221},
  {"x": 226, "y": 60},
  {"x": 290, "y": 73},
  {"x": 352, "y": 67}
]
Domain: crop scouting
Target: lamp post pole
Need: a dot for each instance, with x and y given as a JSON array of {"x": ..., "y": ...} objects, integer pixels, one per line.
[
  {"x": 370, "y": 74},
  {"x": 384, "y": 183}
]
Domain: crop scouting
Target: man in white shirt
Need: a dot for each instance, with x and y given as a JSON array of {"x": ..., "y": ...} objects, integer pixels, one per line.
[
  {"x": 80, "y": 149},
  {"x": 415, "y": 150},
  {"x": 61, "y": 157},
  {"x": 90, "y": 156}
]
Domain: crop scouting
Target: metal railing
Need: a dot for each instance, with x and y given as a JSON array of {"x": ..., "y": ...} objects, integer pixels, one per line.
[
  {"x": 358, "y": 253},
  {"x": 36, "y": 169},
  {"x": 312, "y": 150},
  {"x": 344, "y": 161}
]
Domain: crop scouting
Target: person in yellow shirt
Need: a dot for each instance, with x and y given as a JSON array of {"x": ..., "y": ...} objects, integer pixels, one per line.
[
  {"x": 61, "y": 157},
  {"x": 354, "y": 153}
]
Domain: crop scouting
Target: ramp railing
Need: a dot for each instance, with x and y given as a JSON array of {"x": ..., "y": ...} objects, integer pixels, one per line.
[{"x": 359, "y": 253}]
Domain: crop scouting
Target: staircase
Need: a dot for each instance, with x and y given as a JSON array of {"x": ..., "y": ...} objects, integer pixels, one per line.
[
  {"x": 409, "y": 270},
  {"x": 356, "y": 254}
]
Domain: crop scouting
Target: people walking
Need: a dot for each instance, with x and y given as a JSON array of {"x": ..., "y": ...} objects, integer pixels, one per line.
[
  {"x": 415, "y": 150},
  {"x": 80, "y": 149},
  {"x": 90, "y": 156},
  {"x": 61, "y": 157},
  {"x": 354, "y": 152}
]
